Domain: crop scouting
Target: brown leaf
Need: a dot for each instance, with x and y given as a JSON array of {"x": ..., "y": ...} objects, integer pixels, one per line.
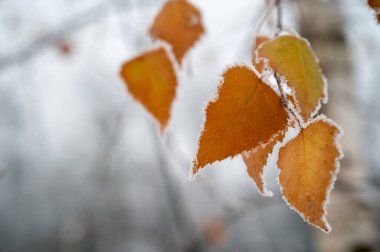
[
  {"x": 151, "y": 79},
  {"x": 293, "y": 59},
  {"x": 64, "y": 47},
  {"x": 256, "y": 161},
  {"x": 215, "y": 230},
  {"x": 308, "y": 165},
  {"x": 259, "y": 65},
  {"x": 180, "y": 24},
  {"x": 374, "y": 3},
  {"x": 245, "y": 113}
]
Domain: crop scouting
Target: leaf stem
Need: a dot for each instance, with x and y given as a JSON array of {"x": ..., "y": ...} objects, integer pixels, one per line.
[
  {"x": 279, "y": 16},
  {"x": 264, "y": 18},
  {"x": 284, "y": 100}
]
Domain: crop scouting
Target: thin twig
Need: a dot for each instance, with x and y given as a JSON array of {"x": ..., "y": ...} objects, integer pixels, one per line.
[
  {"x": 279, "y": 16},
  {"x": 264, "y": 18},
  {"x": 284, "y": 100}
]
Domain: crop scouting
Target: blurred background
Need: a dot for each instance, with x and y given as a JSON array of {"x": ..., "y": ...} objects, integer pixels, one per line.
[{"x": 82, "y": 166}]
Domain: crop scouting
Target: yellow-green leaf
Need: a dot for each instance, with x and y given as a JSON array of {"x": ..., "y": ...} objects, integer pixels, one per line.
[{"x": 292, "y": 58}]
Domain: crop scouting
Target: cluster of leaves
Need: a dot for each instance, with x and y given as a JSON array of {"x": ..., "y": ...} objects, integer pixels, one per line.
[
  {"x": 251, "y": 113},
  {"x": 249, "y": 116},
  {"x": 375, "y": 5},
  {"x": 151, "y": 77}
]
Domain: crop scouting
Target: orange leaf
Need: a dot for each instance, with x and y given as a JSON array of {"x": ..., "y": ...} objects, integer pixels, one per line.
[
  {"x": 180, "y": 24},
  {"x": 256, "y": 160},
  {"x": 259, "y": 65},
  {"x": 151, "y": 79},
  {"x": 308, "y": 165},
  {"x": 374, "y": 3},
  {"x": 245, "y": 113},
  {"x": 64, "y": 47},
  {"x": 293, "y": 59},
  {"x": 215, "y": 230}
]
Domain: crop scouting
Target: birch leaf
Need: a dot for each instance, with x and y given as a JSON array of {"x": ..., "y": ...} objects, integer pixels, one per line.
[
  {"x": 180, "y": 24},
  {"x": 259, "y": 65},
  {"x": 308, "y": 166},
  {"x": 151, "y": 79},
  {"x": 293, "y": 59},
  {"x": 256, "y": 161},
  {"x": 375, "y": 5},
  {"x": 245, "y": 113}
]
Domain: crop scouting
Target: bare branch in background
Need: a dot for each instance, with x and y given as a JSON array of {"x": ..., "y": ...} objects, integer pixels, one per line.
[{"x": 98, "y": 12}]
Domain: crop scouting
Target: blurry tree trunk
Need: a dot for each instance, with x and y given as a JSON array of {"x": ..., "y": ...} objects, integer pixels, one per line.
[{"x": 349, "y": 210}]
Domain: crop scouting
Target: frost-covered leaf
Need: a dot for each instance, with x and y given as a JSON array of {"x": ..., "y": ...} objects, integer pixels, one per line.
[
  {"x": 293, "y": 59},
  {"x": 151, "y": 79},
  {"x": 245, "y": 113},
  {"x": 259, "y": 65},
  {"x": 308, "y": 165},
  {"x": 256, "y": 160},
  {"x": 180, "y": 24}
]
